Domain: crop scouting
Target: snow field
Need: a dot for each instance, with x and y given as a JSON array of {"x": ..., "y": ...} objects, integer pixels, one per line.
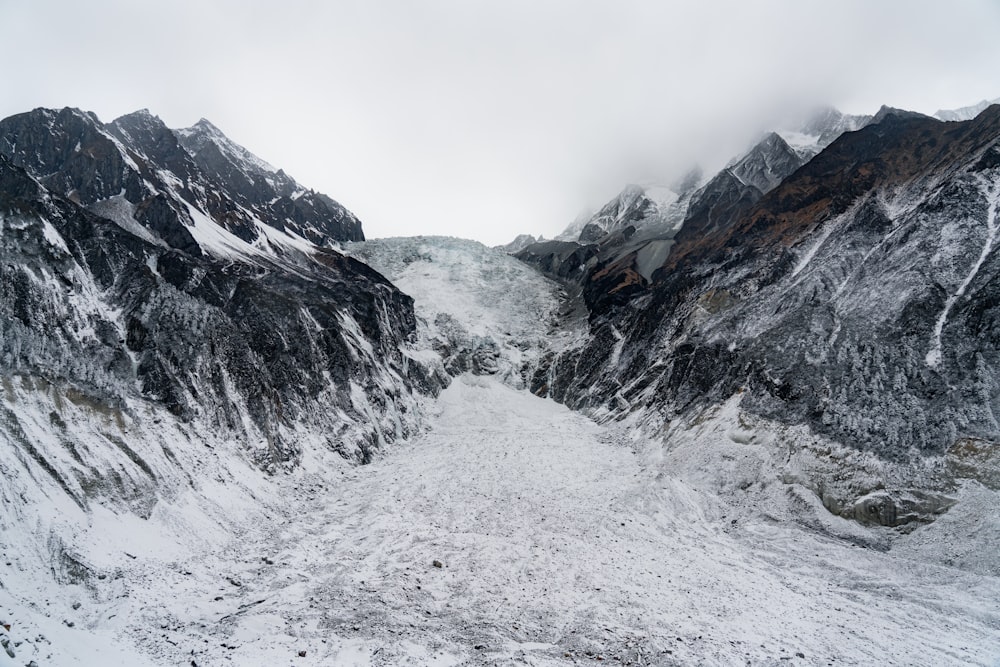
[{"x": 557, "y": 544}]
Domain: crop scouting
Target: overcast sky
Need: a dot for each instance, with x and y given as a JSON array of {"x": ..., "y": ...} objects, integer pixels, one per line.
[{"x": 486, "y": 119}]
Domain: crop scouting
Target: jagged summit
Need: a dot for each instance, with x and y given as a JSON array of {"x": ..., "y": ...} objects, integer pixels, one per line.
[
  {"x": 194, "y": 190},
  {"x": 886, "y": 111},
  {"x": 766, "y": 164},
  {"x": 204, "y": 132},
  {"x": 520, "y": 242},
  {"x": 267, "y": 192}
]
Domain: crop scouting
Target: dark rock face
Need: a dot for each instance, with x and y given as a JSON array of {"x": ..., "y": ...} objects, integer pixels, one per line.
[
  {"x": 857, "y": 297},
  {"x": 560, "y": 259},
  {"x": 723, "y": 199},
  {"x": 71, "y": 154},
  {"x": 140, "y": 173},
  {"x": 767, "y": 164},
  {"x": 129, "y": 309},
  {"x": 272, "y": 196}
]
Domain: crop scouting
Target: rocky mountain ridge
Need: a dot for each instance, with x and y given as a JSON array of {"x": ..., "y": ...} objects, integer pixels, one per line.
[
  {"x": 136, "y": 286},
  {"x": 136, "y": 171},
  {"x": 854, "y": 298}
]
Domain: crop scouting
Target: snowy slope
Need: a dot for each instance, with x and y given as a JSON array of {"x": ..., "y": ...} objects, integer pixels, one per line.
[
  {"x": 559, "y": 541},
  {"x": 478, "y": 307}
]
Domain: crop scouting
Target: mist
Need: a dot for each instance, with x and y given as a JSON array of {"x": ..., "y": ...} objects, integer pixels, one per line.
[{"x": 484, "y": 119}]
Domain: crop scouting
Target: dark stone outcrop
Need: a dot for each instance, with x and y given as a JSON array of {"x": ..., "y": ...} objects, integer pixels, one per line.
[
  {"x": 821, "y": 298},
  {"x": 270, "y": 343},
  {"x": 272, "y": 196}
]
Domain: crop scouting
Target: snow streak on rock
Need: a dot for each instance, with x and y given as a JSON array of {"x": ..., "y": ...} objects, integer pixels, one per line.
[{"x": 991, "y": 191}]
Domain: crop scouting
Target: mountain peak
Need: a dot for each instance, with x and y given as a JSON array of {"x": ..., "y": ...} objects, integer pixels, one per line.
[
  {"x": 965, "y": 113},
  {"x": 141, "y": 118},
  {"x": 204, "y": 132},
  {"x": 258, "y": 186},
  {"x": 767, "y": 163},
  {"x": 886, "y": 112},
  {"x": 207, "y": 127}
]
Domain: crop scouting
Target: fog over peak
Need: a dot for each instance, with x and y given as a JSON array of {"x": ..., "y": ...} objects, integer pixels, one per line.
[{"x": 484, "y": 119}]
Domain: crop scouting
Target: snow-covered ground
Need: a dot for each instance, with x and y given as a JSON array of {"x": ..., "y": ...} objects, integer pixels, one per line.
[
  {"x": 558, "y": 543},
  {"x": 511, "y": 531}
]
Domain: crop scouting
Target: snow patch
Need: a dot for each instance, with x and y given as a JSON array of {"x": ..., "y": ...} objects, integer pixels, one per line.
[{"x": 53, "y": 237}]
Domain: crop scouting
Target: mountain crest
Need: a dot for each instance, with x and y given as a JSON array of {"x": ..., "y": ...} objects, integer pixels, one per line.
[{"x": 194, "y": 190}]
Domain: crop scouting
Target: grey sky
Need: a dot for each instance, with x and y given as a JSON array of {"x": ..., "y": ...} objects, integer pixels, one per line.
[{"x": 486, "y": 119}]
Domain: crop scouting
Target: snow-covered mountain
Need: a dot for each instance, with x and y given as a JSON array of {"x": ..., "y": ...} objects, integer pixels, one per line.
[
  {"x": 768, "y": 395},
  {"x": 661, "y": 209},
  {"x": 214, "y": 199},
  {"x": 158, "y": 338},
  {"x": 268, "y": 192},
  {"x": 520, "y": 242},
  {"x": 767, "y": 163},
  {"x": 854, "y": 298},
  {"x": 965, "y": 113},
  {"x": 820, "y": 129}
]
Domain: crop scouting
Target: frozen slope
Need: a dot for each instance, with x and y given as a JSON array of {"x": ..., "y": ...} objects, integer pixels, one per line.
[
  {"x": 557, "y": 545},
  {"x": 479, "y": 308}
]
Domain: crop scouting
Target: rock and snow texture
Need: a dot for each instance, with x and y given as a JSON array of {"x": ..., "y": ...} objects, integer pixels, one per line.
[
  {"x": 661, "y": 209},
  {"x": 269, "y": 193},
  {"x": 515, "y": 532},
  {"x": 826, "y": 296},
  {"x": 478, "y": 308},
  {"x": 194, "y": 190},
  {"x": 145, "y": 389},
  {"x": 991, "y": 192}
]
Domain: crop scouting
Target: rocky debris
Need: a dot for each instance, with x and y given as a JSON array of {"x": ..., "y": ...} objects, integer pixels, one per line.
[{"x": 437, "y": 564}]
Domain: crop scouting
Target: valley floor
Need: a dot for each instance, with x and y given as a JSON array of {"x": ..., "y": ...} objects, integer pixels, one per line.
[{"x": 518, "y": 532}]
